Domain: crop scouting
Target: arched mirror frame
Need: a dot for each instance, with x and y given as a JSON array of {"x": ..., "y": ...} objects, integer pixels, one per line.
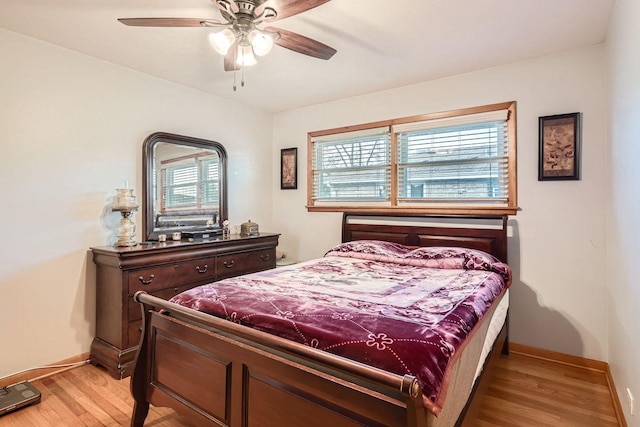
[{"x": 148, "y": 207}]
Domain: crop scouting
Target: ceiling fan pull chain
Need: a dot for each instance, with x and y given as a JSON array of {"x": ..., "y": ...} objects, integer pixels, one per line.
[
  {"x": 234, "y": 80},
  {"x": 235, "y": 69},
  {"x": 242, "y": 82}
]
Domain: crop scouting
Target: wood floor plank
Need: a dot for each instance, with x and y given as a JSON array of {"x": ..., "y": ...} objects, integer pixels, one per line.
[
  {"x": 107, "y": 405},
  {"x": 500, "y": 412},
  {"x": 525, "y": 392},
  {"x": 555, "y": 394},
  {"x": 560, "y": 395},
  {"x": 570, "y": 375}
]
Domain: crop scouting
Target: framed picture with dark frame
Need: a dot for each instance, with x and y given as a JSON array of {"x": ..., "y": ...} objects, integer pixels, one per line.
[
  {"x": 559, "y": 147},
  {"x": 289, "y": 169}
]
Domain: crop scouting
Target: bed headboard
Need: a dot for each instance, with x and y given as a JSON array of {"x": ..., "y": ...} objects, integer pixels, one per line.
[{"x": 483, "y": 232}]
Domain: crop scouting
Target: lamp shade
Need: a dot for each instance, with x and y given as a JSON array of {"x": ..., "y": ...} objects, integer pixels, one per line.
[
  {"x": 222, "y": 40},
  {"x": 244, "y": 55},
  {"x": 261, "y": 41}
]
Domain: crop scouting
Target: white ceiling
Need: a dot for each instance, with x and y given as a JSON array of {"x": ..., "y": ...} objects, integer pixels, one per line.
[{"x": 381, "y": 44}]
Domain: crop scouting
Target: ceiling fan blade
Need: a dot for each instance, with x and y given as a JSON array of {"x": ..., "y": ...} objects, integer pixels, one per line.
[
  {"x": 230, "y": 59},
  {"x": 167, "y": 22},
  {"x": 301, "y": 44},
  {"x": 287, "y": 8}
]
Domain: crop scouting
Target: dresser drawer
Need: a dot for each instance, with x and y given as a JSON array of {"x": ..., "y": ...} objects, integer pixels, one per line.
[
  {"x": 245, "y": 262},
  {"x": 134, "y": 308},
  {"x": 135, "y": 313},
  {"x": 165, "y": 276}
]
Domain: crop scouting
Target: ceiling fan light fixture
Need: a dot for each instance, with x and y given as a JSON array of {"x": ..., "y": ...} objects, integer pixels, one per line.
[
  {"x": 222, "y": 40},
  {"x": 261, "y": 41}
]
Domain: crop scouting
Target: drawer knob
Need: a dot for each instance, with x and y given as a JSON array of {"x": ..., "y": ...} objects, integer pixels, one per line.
[
  {"x": 229, "y": 264},
  {"x": 265, "y": 257},
  {"x": 146, "y": 282},
  {"x": 202, "y": 270}
]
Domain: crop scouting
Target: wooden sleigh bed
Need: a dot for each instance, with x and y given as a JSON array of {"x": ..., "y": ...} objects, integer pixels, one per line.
[{"x": 220, "y": 373}]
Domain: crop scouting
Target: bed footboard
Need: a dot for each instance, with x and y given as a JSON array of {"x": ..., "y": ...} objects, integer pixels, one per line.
[{"x": 219, "y": 373}]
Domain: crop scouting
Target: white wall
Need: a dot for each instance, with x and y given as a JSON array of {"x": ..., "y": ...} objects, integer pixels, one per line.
[
  {"x": 623, "y": 229},
  {"x": 558, "y": 248},
  {"x": 71, "y": 131}
]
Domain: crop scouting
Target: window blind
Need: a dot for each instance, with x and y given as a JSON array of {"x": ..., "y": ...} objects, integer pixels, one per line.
[
  {"x": 352, "y": 166},
  {"x": 210, "y": 182},
  {"x": 181, "y": 187},
  {"x": 462, "y": 158},
  {"x": 192, "y": 185}
]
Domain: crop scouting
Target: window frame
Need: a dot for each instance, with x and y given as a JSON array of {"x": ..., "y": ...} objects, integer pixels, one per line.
[{"x": 394, "y": 206}]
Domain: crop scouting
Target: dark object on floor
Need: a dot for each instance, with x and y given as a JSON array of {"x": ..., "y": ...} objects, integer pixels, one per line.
[{"x": 18, "y": 396}]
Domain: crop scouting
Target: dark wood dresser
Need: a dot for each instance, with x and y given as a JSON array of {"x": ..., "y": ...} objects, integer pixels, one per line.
[{"x": 163, "y": 270}]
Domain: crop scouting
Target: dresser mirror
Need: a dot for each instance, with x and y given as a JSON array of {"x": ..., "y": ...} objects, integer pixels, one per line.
[{"x": 185, "y": 185}]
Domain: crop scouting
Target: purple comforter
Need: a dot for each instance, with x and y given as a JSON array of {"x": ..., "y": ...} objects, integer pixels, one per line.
[{"x": 405, "y": 310}]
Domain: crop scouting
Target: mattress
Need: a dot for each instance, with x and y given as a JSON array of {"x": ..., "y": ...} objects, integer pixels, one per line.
[{"x": 466, "y": 370}]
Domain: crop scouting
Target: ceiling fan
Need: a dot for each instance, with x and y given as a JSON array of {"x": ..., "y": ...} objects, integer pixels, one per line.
[{"x": 239, "y": 39}]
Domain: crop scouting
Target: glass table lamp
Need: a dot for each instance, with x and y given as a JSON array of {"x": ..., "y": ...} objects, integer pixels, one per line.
[{"x": 125, "y": 203}]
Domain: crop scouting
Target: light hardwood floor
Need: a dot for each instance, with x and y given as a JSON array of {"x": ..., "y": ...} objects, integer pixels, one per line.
[
  {"x": 526, "y": 391},
  {"x": 531, "y": 391}
]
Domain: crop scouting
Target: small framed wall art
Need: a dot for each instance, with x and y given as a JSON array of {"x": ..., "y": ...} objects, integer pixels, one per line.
[
  {"x": 559, "y": 147},
  {"x": 289, "y": 169}
]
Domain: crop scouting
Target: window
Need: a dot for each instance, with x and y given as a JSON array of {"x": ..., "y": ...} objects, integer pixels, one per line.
[
  {"x": 352, "y": 166},
  {"x": 442, "y": 163},
  {"x": 193, "y": 183}
]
